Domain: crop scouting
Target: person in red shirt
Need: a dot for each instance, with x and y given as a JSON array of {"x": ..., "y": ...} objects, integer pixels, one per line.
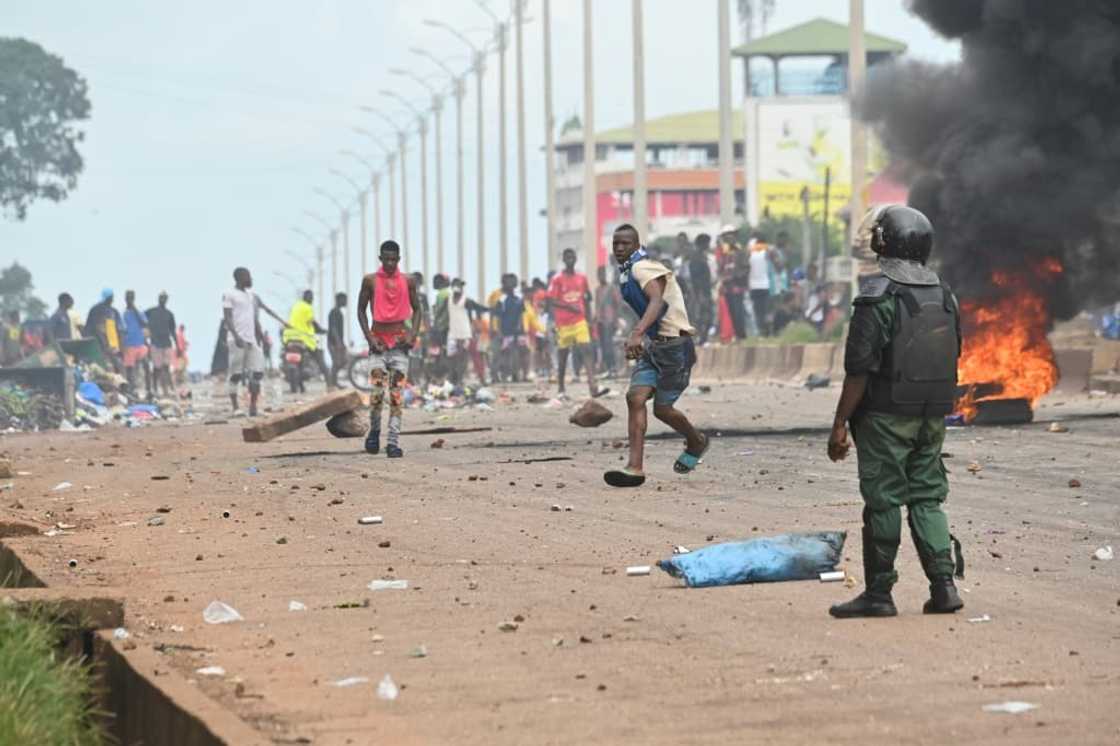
[{"x": 569, "y": 301}]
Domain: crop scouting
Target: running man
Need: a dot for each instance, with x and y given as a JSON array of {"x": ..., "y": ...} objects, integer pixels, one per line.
[
  {"x": 394, "y": 299},
  {"x": 569, "y": 301},
  {"x": 241, "y": 310},
  {"x": 662, "y": 343}
]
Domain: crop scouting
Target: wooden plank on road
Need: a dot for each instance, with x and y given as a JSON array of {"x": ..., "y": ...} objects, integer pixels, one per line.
[{"x": 309, "y": 414}]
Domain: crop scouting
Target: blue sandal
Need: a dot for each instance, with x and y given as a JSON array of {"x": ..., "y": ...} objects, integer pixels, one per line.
[{"x": 687, "y": 462}]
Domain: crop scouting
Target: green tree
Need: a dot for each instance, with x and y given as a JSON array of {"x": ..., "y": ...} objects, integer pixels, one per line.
[
  {"x": 16, "y": 293},
  {"x": 41, "y": 100}
]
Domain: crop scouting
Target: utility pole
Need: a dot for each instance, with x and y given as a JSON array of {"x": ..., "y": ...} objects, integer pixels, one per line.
[
  {"x": 522, "y": 197},
  {"x": 549, "y": 130},
  {"x": 480, "y": 70},
  {"x": 377, "y": 239},
  {"x": 857, "y": 71},
  {"x": 460, "y": 237},
  {"x": 406, "y": 249},
  {"x": 437, "y": 107},
  {"x": 503, "y": 172},
  {"x": 726, "y": 143},
  {"x": 640, "y": 205},
  {"x": 424, "y": 197},
  {"x": 590, "y": 190},
  {"x": 334, "y": 259}
]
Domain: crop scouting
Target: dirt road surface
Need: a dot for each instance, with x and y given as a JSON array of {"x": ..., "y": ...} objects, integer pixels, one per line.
[{"x": 597, "y": 657}]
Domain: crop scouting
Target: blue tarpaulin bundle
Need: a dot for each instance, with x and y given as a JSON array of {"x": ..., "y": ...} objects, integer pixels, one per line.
[{"x": 766, "y": 560}]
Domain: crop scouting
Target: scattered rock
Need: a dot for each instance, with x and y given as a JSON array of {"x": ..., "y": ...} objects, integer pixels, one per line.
[
  {"x": 1074, "y": 483},
  {"x": 156, "y": 521},
  {"x": 508, "y": 627},
  {"x": 282, "y": 540},
  {"x": 438, "y": 443},
  {"x": 591, "y": 414},
  {"x": 1057, "y": 427},
  {"x": 336, "y": 501},
  {"x": 420, "y": 651},
  {"x": 975, "y": 468},
  {"x": 160, "y": 477},
  {"x": 384, "y": 544},
  {"x": 352, "y": 424}
]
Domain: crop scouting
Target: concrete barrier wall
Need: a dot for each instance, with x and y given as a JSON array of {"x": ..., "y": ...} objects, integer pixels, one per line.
[{"x": 797, "y": 362}]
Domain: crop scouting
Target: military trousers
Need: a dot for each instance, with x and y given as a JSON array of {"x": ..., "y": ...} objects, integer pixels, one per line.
[{"x": 900, "y": 465}]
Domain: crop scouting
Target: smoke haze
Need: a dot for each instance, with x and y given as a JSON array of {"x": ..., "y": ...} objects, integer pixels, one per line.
[{"x": 1014, "y": 153}]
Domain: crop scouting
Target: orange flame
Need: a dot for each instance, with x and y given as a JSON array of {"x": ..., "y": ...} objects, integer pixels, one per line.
[{"x": 1005, "y": 339}]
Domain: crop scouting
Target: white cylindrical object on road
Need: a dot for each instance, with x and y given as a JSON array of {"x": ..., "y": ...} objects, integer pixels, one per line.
[
  {"x": 638, "y": 570},
  {"x": 832, "y": 577},
  {"x": 370, "y": 520}
]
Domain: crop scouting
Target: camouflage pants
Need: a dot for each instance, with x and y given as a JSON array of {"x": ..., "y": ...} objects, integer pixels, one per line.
[{"x": 900, "y": 465}]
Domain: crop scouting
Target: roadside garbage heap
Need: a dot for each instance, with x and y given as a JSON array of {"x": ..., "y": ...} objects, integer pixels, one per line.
[
  {"x": 102, "y": 398},
  {"x": 449, "y": 396},
  {"x": 23, "y": 409}
]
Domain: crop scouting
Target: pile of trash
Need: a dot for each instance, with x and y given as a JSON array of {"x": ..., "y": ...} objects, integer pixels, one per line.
[
  {"x": 102, "y": 398},
  {"x": 23, "y": 409},
  {"x": 435, "y": 397}
]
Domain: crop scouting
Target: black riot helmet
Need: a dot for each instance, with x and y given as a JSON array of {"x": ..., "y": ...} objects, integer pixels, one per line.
[{"x": 901, "y": 232}]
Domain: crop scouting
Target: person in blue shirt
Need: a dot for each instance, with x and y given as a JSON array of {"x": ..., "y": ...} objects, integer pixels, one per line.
[
  {"x": 514, "y": 344},
  {"x": 135, "y": 346}
]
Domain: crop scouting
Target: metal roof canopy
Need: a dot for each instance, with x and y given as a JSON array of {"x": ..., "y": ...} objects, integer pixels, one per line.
[
  {"x": 688, "y": 128},
  {"x": 819, "y": 37}
]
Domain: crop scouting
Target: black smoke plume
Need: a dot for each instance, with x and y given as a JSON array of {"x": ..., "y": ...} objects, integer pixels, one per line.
[{"x": 1014, "y": 153}]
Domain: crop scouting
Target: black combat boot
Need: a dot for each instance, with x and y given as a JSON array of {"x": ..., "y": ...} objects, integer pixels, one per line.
[
  {"x": 865, "y": 604},
  {"x": 943, "y": 597},
  {"x": 878, "y": 573}
]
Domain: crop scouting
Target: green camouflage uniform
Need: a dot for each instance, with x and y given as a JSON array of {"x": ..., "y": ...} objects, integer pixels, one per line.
[{"x": 899, "y": 463}]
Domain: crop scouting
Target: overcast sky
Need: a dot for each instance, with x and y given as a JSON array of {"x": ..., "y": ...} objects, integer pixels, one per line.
[{"x": 213, "y": 120}]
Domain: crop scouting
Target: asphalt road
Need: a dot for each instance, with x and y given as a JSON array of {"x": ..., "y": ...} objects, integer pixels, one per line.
[{"x": 597, "y": 657}]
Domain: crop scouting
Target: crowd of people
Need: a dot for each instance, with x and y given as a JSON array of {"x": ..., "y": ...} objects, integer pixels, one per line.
[
  {"x": 735, "y": 291},
  {"x": 145, "y": 346},
  {"x": 562, "y": 327}
]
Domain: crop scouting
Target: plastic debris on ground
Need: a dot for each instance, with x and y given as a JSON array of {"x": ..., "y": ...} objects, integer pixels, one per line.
[
  {"x": 1103, "y": 554},
  {"x": 120, "y": 633},
  {"x": 763, "y": 560},
  {"x": 296, "y": 606},
  {"x": 388, "y": 585},
  {"x": 350, "y": 681},
  {"x": 61, "y": 486},
  {"x": 1011, "y": 708},
  {"x": 211, "y": 671},
  {"x": 220, "y": 613},
  {"x": 388, "y": 690}
]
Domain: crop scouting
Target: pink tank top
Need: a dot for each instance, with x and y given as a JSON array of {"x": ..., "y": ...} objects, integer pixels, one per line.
[{"x": 391, "y": 302}]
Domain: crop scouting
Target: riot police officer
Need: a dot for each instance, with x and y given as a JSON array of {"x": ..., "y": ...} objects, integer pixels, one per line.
[{"x": 901, "y": 377}]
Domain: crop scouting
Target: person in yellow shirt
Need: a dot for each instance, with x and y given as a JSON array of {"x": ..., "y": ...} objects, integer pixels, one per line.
[{"x": 302, "y": 328}]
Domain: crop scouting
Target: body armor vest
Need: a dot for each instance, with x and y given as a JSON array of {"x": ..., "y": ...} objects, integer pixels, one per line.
[{"x": 918, "y": 376}]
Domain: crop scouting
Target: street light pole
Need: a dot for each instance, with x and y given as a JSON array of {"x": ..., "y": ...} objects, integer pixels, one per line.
[
  {"x": 458, "y": 90},
  {"x": 422, "y": 126},
  {"x": 522, "y": 196},
  {"x": 640, "y": 206},
  {"x": 480, "y": 70},
  {"x": 726, "y": 144},
  {"x": 590, "y": 188},
  {"x": 319, "y": 255},
  {"x": 549, "y": 129},
  {"x": 389, "y": 161},
  {"x": 374, "y": 188}
]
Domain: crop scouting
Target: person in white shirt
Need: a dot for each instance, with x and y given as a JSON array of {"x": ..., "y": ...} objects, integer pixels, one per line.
[
  {"x": 240, "y": 309},
  {"x": 759, "y": 284}
]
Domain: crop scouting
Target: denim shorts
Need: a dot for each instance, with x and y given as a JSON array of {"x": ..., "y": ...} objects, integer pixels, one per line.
[{"x": 666, "y": 367}]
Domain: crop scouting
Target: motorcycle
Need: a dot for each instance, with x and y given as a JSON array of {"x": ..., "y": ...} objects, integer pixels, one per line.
[{"x": 297, "y": 366}]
